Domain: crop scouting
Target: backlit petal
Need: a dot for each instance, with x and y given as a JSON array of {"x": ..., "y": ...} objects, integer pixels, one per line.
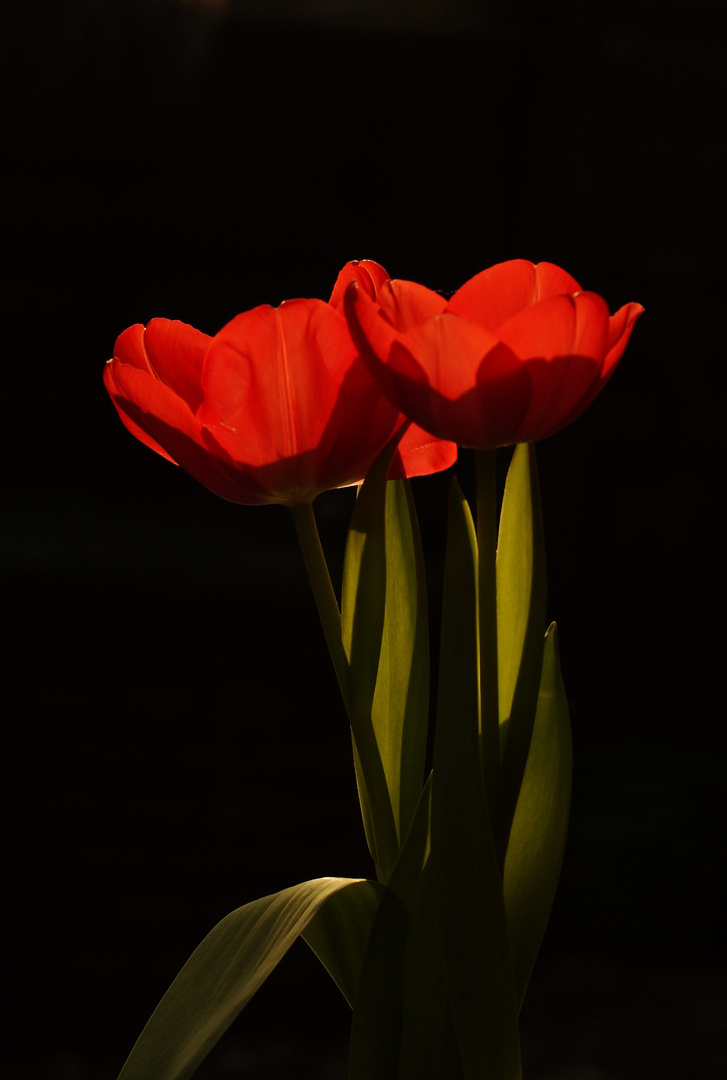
[
  {"x": 176, "y": 352},
  {"x": 117, "y": 382},
  {"x": 130, "y": 348},
  {"x": 420, "y": 453},
  {"x": 406, "y": 304},
  {"x": 369, "y": 275},
  {"x": 619, "y": 331},
  {"x": 496, "y": 294},
  {"x": 462, "y": 410},
  {"x": 559, "y": 326},
  {"x": 550, "y": 280}
]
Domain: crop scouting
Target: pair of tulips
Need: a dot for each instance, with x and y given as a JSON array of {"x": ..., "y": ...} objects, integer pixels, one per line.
[{"x": 286, "y": 402}]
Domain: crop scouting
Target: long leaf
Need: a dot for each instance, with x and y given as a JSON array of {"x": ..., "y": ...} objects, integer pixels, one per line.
[
  {"x": 538, "y": 834},
  {"x": 400, "y": 712},
  {"x": 428, "y": 1041},
  {"x": 378, "y": 1009},
  {"x": 362, "y": 626},
  {"x": 220, "y": 977},
  {"x": 521, "y": 595},
  {"x": 466, "y": 873}
]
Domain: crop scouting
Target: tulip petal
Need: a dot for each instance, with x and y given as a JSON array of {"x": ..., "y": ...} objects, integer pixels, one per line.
[
  {"x": 449, "y": 351},
  {"x": 176, "y": 353},
  {"x": 562, "y": 341},
  {"x": 118, "y": 391},
  {"x": 420, "y": 453},
  {"x": 373, "y": 336},
  {"x": 164, "y": 422},
  {"x": 441, "y": 370},
  {"x": 495, "y": 294},
  {"x": 287, "y": 394},
  {"x": 619, "y": 331},
  {"x": 430, "y": 373},
  {"x": 406, "y": 304},
  {"x": 130, "y": 348},
  {"x": 508, "y": 288},
  {"x": 369, "y": 275},
  {"x": 551, "y": 280},
  {"x": 559, "y": 326},
  {"x": 272, "y": 376}
]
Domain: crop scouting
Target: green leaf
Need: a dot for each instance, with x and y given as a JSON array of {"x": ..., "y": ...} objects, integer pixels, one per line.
[
  {"x": 428, "y": 1042},
  {"x": 465, "y": 868},
  {"x": 521, "y": 595},
  {"x": 364, "y": 585},
  {"x": 220, "y": 977},
  {"x": 339, "y": 932},
  {"x": 401, "y": 700},
  {"x": 377, "y": 1014},
  {"x": 538, "y": 834},
  {"x": 378, "y": 1008},
  {"x": 363, "y": 602}
]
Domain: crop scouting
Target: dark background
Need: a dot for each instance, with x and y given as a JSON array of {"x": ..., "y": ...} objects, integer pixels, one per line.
[{"x": 175, "y": 742}]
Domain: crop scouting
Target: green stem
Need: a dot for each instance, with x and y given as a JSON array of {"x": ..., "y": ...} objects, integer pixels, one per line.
[
  {"x": 383, "y": 840},
  {"x": 487, "y": 617},
  {"x": 325, "y": 598}
]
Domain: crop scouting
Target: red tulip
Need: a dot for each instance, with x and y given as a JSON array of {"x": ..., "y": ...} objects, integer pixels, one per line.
[
  {"x": 513, "y": 356},
  {"x": 275, "y": 408}
]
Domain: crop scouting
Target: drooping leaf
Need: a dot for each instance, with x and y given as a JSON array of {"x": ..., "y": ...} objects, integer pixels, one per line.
[
  {"x": 538, "y": 834},
  {"x": 220, "y": 977},
  {"x": 339, "y": 932},
  {"x": 401, "y": 700},
  {"x": 465, "y": 868},
  {"x": 521, "y": 596}
]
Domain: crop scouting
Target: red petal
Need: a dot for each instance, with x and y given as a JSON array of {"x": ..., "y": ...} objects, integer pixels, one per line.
[
  {"x": 470, "y": 417},
  {"x": 176, "y": 353},
  {"x": 287, "y": 394},
  {"x": 117, "y": 385},
  {"x": 374, "y": 336},
  {"x": 503, "y": 290},
  {"x": 550, "y": 280},
  {"x": 376, "y": 326},
  {"x": 129, "y": 348},
  {"x": 449, "y": 350},
  {"x": 407, "y": 304},
  {"x": 161, "y": 420},
  {"x": 559, "y": 326},
  {"x": 271, "y": 378},
  {"x": 619, "y": 331},
  {"x": 496, "y": 294},
  {"x": 431, "y": 372},
  {"x": 559, "y": 388},
  {"x": 370, "y": 276},
  {"x": 419, "y": 453}
]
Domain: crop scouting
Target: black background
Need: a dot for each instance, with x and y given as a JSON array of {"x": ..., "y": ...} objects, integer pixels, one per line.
[{"x": 175, "y": 743}]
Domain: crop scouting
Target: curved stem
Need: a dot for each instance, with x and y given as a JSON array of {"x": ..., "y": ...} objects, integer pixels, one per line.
[
  {"x": 381, "y": 836},
  {"x": 320, "y": 579},
  {"x": 487, "y": 617}
]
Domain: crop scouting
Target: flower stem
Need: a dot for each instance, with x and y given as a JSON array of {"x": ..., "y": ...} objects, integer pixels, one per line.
[
  {"x": 379, "y": 823},
  {"x": 487, "y": 616},
  {"x": 320, "y": 579}
]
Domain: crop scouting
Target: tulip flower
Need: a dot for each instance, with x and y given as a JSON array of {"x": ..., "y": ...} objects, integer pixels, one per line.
[
  {"x": 513, "y": 356},
  {"x": 275, "y": 408}
]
